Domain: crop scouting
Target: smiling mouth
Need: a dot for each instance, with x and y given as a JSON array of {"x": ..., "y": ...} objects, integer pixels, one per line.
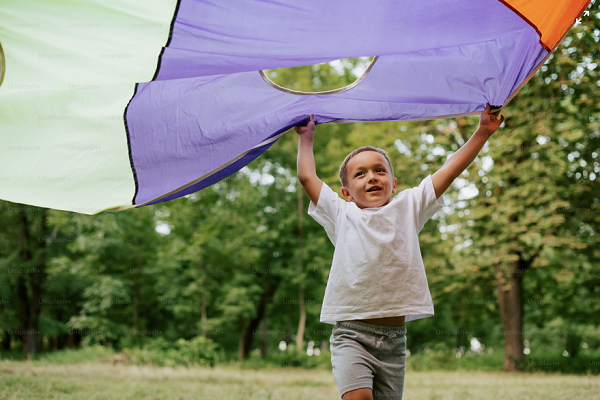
[{"x": 374, "y": 190}]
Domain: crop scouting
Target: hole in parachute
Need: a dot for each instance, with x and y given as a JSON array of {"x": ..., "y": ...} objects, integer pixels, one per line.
[{"x": 325, "y": 78}]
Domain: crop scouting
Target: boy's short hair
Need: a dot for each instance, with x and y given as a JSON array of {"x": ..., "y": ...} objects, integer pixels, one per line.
[{"x": 344, "y": 166}]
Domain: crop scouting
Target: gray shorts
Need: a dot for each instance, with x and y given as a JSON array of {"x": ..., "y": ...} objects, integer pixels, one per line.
[{"x": 371, "y": 356}]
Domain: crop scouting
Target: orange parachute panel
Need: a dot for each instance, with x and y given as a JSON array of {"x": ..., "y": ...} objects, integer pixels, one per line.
[{"x": 550, "y": 19}]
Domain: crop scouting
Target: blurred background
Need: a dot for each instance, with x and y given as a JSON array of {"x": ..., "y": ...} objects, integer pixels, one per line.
[{"x": 235, "y": 273}]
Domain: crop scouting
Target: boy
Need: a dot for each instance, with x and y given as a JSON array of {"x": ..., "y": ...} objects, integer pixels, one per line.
[{"x": 377, "y": 280}]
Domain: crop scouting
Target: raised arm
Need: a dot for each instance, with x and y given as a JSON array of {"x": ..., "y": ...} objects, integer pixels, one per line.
[
  {"x": 459, "y": 161},
  {"x": 307, "y": 173}
]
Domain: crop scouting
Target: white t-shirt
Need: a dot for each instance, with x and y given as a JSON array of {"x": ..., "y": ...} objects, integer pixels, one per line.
[{"x": 377, "y": 269}]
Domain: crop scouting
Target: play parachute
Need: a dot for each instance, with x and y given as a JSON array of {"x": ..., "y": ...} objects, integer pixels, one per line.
[{"x": 80, "y": 133}]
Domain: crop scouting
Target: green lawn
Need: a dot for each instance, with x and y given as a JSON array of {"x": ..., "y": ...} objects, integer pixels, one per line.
[{"x": 32, "y": 380}]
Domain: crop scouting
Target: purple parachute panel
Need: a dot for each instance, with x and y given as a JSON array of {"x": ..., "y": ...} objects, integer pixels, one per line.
[{"x": 209, "y": 112}]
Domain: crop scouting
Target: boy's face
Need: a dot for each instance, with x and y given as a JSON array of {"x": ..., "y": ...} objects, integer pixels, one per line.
[{"x": 367, "y": 172}]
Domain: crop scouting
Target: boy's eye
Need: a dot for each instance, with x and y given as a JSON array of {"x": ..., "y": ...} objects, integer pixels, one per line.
[{"x": 379, "y": 169}]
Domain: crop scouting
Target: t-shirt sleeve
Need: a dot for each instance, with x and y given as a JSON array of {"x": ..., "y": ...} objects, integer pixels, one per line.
[
  {"x": 425, "y": 202},
  {"x": 327, "y": 210}
]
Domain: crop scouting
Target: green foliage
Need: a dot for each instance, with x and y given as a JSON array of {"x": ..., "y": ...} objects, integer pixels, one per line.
[
  {"x": 584, "y": 365},
  {"x": 207, "y": 261},
  {"x": 86, "y": 354},
  {"x": 287, "y": 359},
  {"x": 320, "y": 77},
  {"x": 440, "y": 357},
  {"x": 198, "y": 351}
]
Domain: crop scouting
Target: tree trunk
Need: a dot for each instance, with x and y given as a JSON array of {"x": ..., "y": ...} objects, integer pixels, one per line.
[
  {"x": 136, "y": 295},
  {"x": 24, "y": 307},
  {"x": 462, "y": 338},
  {"x": 288, "y": 331},
  {"x": 255, "y": 322},
  {"x": 510, "y": 300},
  {"x": 264, "y": 337},
  {"x": 31, "y": 307},
  {"x": 71, "y": 340},
  {"x": 302, "y": 322},
  {"x": 241, "y": 340},
  {"x": 6, "y": 341},
  {"x": 204, "y": 317}
]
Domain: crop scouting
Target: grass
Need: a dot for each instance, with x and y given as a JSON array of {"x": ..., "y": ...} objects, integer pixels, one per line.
[{"x": 95, "y": 380}]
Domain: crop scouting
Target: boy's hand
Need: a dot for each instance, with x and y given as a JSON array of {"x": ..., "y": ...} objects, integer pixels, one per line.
[
  {"x": 488, "y": 123},
  {"x": 309, "y": 128}
]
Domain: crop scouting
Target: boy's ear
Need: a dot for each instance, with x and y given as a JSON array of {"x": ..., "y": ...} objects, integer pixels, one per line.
[
  {"x": 346, "y": 194},
  {"x": 394, "y": 185}
]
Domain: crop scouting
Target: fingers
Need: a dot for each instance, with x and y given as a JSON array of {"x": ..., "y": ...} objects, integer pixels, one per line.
[
  {"x": 487, "y": 108},
  {"x": 301, "y": 128}
]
